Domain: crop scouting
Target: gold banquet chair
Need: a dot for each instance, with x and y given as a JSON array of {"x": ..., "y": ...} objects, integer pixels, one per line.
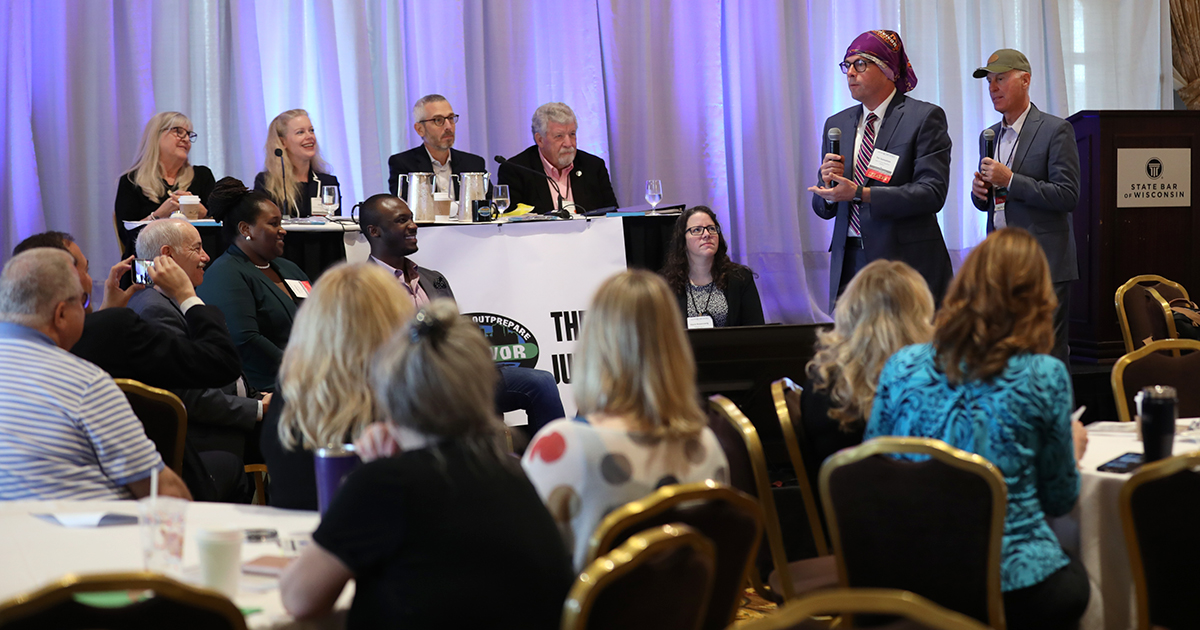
[
  {"x": 786, "y": 394},
  {"x": 1144, "y": 309},
  {"x": 920, "y": 612},
  {"x": 932, "y": 527},
  {"x": 1160, "y": 513},
  {"x": 659, "y": 579},
  {"x": 1152, "y": 365},
  {"x": 163, "y": 417},
  {"x": 174, "y": 605},
  {"x": 730, "y": 519},
  {"x": 748, "y": 473}
]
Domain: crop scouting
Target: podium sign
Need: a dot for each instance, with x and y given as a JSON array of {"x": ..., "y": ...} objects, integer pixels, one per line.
[{"x": 1154, "y": 178}]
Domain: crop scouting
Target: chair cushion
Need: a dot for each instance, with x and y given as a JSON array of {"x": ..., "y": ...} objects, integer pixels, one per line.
[{"x": 808, "y": 575}]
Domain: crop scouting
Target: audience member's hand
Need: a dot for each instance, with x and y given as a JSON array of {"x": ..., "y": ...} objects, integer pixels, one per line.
[
  {"x": 114, "y": 297},
  {"x": 376, "y": 442},
  {"x": 266, "y": 403},
  {"x": 980, "y": 188},
  {"x": 168, "y": 275},
  {"x": 1080, "y": 435}
]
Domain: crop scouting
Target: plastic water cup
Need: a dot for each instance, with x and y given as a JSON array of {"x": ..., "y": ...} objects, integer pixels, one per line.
[
  {"x": 220, "y": 559},
  {"x": 161, "y": 522}
]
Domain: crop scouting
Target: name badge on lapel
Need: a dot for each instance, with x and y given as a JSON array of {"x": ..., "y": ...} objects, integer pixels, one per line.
[
  {"x": 299, "y": 288},
  {"x": 882, "y": 165}
]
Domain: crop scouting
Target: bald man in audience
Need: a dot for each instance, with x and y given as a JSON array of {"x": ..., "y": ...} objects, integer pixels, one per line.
[{"x": 66, "y": 430}]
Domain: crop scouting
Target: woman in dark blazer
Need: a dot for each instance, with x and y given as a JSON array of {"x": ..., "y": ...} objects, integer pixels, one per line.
[
  {"x": 256, "y": 289},
  {"x": 706, "y": 282},
  {"x": 292, "y": 190}
]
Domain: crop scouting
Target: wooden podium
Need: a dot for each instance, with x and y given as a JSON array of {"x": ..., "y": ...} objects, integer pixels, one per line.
[{"x": 1116, "y": 243}]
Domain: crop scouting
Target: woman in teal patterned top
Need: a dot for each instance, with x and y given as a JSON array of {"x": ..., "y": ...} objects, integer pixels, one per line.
[{"x": 985, "y": 385}]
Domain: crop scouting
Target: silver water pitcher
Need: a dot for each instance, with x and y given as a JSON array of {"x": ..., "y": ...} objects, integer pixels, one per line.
[
  {"x": 420, "y": 195},
  {"x": 472, "y": 187}
]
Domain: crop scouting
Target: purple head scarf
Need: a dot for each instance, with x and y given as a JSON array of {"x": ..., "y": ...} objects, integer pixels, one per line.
[{"x": 885, "y": 49}]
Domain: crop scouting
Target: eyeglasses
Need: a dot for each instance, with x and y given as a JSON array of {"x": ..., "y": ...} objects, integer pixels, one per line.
[
  {"x": 701, "y": 229},
  {"x": 182, "y": 133},
  {"x": 440, "y": 121},
  {"x": 860, "y": 65}
]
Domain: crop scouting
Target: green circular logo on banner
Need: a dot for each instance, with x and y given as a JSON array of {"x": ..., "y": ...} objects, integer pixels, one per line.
[{"x": 513, "y": 345}]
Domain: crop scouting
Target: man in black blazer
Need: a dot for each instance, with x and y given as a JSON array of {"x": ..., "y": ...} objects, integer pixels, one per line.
[
  {"x": 1031, "y": 180},
  {"x": 896, "y": 152},
  {"x": 435, "y": 121},
  {"x": 580, "y": 178}
]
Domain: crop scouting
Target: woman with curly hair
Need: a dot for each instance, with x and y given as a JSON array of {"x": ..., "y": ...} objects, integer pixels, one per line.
[
  {"x": 885, "y": 307},
  {"x": 705, "y": 281},
  {"x": 987, "y": 386}
]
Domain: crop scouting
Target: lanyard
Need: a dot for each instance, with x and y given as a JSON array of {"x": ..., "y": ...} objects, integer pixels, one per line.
[{"x": 712, "y": 286}]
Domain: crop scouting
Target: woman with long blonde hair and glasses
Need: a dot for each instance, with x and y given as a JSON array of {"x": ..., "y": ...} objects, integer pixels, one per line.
[
  {"x": 293, "y": 170},
  {"x": 987, "y": 385},
  {"x": 323, "y": 396},
  {"x": 160, "y": 175},
  {"x": 640, "y": 425},
  {"x": 885, "y": 307}
]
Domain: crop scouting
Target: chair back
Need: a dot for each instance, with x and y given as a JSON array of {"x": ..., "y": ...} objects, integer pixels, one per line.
[
  {"x": 163, "y": 417},
  {"x": 730, "y": 519},
  {"x": 748, "y": 473},
  {"x": 918, "y": 611},
  {"x": 1160, "y": 512},
  {"x": 933, "y": 527},
  {"x": 659, "y": 579},
  {"x": 786, "y": 394},
  {"x": 1144, "y": 310},
  {"x": 175, "y": 605},
  {"x": 1159, "y": 363}
]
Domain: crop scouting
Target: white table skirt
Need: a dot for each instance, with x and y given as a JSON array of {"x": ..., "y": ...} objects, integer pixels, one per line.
[{"x": 34, "y": 552}]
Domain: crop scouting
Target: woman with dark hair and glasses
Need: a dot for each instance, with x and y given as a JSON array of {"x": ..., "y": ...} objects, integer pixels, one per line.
[
  {"x": 161, "y": 175},
  {"x": 712, "y": 289}
]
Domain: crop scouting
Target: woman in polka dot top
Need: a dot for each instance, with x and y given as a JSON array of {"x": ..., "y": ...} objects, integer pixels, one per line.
[{"x": 640, "y": 425}]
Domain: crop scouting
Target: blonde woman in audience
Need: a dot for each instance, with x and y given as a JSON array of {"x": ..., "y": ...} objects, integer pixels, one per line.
[
  {"x": 885, "y": 307},
  {"x": 323, "y": 396},
  {"x": 640, "y": 425},
  {"x": 295, "y": 177},
  {"x": 450, "y": 514}
]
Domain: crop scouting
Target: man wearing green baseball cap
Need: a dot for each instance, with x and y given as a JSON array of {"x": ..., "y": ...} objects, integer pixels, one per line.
[{"x": 1028, "y": 176}]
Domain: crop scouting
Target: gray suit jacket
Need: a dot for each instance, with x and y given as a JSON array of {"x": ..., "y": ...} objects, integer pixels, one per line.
[
  {"x": 218, "y": 419},
  {"x": 434, "y": 283},
  {"x": 1044, "y": 189}
]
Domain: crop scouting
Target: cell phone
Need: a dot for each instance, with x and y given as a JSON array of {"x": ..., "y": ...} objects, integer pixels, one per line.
[
  {"x": 141, "y": 271},
  {"x": 1123, "y": 464}
]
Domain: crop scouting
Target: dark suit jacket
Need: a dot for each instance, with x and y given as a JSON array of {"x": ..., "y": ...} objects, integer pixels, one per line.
[
  {"x": 900, "y": 223},
  {"x": 590, "y": 186},
  {"x": 1044, "y": 189},
  {"x": 218, "y": 419},
  {"x": 745, "y": 307},
  {"x": 434, "y": 283},
  {"x": 127, "y": 346},
  {"x": 306, "y": 191},
  {"x": 259, "y": 315},
  {"x": 416, "y": 160}
]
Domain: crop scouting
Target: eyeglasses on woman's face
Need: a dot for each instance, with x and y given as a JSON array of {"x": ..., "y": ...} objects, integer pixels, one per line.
[
  {"x": 701, "y": 229},
  {"x": 181, "y": 133}
]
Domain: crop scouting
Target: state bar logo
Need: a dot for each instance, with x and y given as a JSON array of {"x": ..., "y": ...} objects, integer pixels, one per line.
[
  {"x": 513, "y": 345},
  {"x": 1154, "y": 168}
]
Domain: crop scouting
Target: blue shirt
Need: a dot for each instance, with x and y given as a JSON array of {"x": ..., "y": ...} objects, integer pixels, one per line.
[
  {"x": 1020, "y": 421},
  {"x": 66, "y": 429}
]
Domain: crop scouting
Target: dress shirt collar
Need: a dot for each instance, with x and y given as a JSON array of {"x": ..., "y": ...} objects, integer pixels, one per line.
[
  {"x": 879, "y": 111},
  {"x": 9, "y": 330},
  {"x": 1018, "y": 124},
  {"x": 410, "y": 268},
  {"x": 433, "y": 160},
  {"x": 556, "y": 173}
]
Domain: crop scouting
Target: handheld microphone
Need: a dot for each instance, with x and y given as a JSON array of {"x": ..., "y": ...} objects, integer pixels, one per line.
[
  {"x": 989, "y": 140},
  {"x": 283, "y": 175},
  {"x": 562, "y": 214},
  {"x": 835, "y": 147}
]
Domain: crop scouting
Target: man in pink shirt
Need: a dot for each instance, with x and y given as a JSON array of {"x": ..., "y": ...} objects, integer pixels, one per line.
[{"x": 574, "y": 180}]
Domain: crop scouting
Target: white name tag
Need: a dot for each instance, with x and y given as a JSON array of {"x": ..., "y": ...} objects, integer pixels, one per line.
[
  {"x": 318, "y": 208},
  {"x": 299, "y": 288},
  {"x": 882, "y": 165},
  {"x": 999, "y": 219},
  {"x": 703, "y": 321}
]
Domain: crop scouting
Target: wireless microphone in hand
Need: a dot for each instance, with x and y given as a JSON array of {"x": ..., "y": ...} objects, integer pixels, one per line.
[
  {"x": 989, "y": 140},
  {"x": 835, "y": 147}
]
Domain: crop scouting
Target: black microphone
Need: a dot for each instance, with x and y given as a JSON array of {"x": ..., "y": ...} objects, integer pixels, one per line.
[
  {"x": 835, "y": 147},
  {"x": 283, "y": 173},
  {"x": 989, "y": 143},
  {"x": 560, "y": 212}
]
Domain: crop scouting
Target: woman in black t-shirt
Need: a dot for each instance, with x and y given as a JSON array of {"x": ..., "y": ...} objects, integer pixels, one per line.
[{"x": 450, "y": 511}]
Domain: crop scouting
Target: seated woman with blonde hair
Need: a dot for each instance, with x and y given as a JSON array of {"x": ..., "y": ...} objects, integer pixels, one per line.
[
  {"x": 323, "y": 397},
  {"x": 987, "y": 386},
  {"x": 449, "y": 515},
  {"x": 885, "y": 307},
  {"x": 640, "y": 425}
]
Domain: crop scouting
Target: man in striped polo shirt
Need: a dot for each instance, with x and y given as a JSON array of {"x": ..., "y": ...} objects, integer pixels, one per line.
[{"x": 66, "y": 430}]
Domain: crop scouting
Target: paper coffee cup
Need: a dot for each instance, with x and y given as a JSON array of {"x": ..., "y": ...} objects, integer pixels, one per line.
[
  {"x": 441, "y": 203},
  {"x": 220, "y": 559},
  {"x": 189, "y": 205}
]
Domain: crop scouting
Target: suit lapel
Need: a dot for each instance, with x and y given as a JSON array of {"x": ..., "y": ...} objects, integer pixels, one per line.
[
  {"x": 891, "y": 120},
  {"x": 849, "y": 122},
  {"x": 1033, "y": 120}
]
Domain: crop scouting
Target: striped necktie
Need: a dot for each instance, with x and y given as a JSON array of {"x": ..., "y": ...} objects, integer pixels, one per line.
[{"x": 860, "y": 166}]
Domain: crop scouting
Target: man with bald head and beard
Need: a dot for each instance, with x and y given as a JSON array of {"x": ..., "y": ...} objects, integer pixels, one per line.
[{"x": 388, "y": 225}]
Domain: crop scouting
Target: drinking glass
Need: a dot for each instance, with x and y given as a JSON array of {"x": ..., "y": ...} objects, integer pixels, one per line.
[
  {"x": 500, "y": 197},
  {"x": 653, "y": 194},
  {"x": 329, "y": 199}
]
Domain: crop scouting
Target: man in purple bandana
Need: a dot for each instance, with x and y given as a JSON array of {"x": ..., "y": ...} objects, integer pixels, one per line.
[{"x": 888, "y": 182}]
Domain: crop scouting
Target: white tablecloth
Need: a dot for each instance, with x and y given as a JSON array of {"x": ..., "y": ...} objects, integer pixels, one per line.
[{"x": 34, "y": 552}]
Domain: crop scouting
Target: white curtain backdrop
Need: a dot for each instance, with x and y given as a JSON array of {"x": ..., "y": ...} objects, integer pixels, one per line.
[{"x": 724, "y": 100}]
